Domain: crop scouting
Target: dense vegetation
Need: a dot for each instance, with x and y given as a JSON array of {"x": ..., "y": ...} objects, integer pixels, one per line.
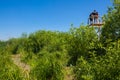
[{"x": 49, "y": 53}]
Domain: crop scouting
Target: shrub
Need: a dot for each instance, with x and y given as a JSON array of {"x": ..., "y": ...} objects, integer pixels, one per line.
[
  {"x": 48, "y": 68},
  {"x": 100, "y": 67},
  {"x": 9, "y": 71}
]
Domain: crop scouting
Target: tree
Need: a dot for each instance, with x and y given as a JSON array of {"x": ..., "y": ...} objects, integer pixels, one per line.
[
  {"x": 111, "y": 29},
  {"x": 81, "y": 40}
]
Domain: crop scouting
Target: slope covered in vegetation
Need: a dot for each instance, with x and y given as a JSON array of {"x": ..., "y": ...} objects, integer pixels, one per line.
[{"x": 76, "y": 54}]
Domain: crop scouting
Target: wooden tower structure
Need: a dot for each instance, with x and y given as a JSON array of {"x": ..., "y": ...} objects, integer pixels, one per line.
[{"x": 95, "y": 21}]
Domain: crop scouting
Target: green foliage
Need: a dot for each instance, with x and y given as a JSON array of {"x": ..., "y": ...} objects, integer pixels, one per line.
[
  {"x": 111, "y": 29},
  {"x": 2, "y": 45},
  {"x": 45, "y": 52},
  {"x": 8, "y": 71},
  {"x": 80, "y": 41},
  {"x": 15, "y": 44},
  {"x": 100, "y": 68},
  {"x": 49, "y": 52},
  {"x": 48, "y": 68},
  {"x": 45, "y": 41}
]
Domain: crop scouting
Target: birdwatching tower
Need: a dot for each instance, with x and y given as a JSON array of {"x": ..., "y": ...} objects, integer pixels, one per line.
[{"x": 95, "y": 21}]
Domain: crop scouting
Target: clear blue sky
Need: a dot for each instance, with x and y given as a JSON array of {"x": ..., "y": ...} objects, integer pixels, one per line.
[{"x": 26, "y": 16}]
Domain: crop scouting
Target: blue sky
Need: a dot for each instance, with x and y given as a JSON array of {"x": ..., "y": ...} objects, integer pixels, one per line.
[{"x": 26, "y": 16}]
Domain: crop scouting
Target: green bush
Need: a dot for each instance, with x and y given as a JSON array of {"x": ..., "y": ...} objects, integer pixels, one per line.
[
  {"x": 101, "y": 67},
  {"x": 9, "y": 71},
  {"x": 48, "y": 68},
  {"x": 80, "y": 41}
]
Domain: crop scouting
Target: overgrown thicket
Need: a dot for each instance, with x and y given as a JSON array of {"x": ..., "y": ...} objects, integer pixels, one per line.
[
  {"x": 50, "y": 52},
  {"x": 105, "y": 67},
  {"x": 8, "y": 70},
  {"x": 103, "y": 62}
]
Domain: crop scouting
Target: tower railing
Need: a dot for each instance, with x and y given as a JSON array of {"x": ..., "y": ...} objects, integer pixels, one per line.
[{"x": 95, "y": 22}]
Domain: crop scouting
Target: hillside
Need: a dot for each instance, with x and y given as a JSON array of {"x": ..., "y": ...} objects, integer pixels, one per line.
[{"x": 77, "y": 54}]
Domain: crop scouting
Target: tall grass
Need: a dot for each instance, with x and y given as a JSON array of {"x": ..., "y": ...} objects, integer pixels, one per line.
[
  {"x": 8, "y": 71},
  {"x": 48, "y": 68}
]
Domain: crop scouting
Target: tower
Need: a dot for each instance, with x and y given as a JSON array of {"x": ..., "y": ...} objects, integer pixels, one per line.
[{"x": 95, "y": 21}]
